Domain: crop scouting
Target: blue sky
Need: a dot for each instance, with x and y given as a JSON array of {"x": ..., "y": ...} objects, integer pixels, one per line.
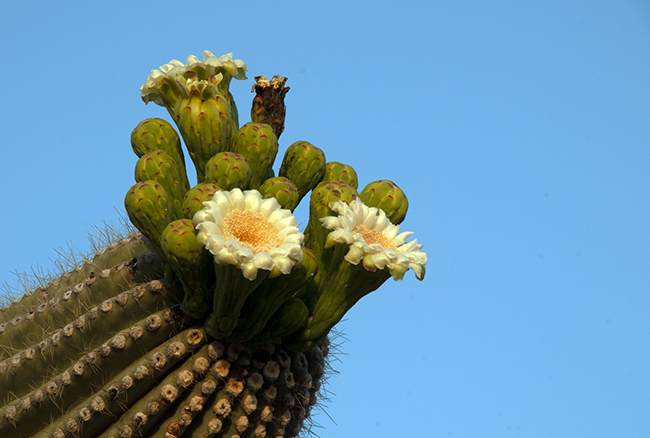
[{"x": 519, "y": 131}]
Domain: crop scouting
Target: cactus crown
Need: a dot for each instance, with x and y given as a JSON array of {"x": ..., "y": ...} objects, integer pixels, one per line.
[{"x": 213, "y": 319}]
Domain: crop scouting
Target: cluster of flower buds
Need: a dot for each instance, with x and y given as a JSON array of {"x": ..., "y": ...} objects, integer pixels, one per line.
[{"x": 231, "y": 242}]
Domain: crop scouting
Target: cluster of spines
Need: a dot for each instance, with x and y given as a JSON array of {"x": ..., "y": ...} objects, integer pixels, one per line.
[
  {"x": 223, "y": 388},
  {"x": 73, "y": 363},
  {"x": 90, "y": 298},
  {"x": 119, "y": 251},
  {"x": 99, "y": 411}
]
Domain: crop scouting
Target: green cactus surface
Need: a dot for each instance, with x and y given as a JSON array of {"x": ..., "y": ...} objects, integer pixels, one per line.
[
  {"x": 259, "y": 145},
  {"x": 210, "y": 318},
  {"x": 121, "y": 358},
  {"x": 196, "y": 196},
  {"x": 228, "y": 170},
  {"x": 304, "y": 165},
  {"x": 387, "y": 196},
  {"x": 159, "y": 166},
  {"x": 157, "y": 135},
  {"x": 283, "y": 190},
  {"x": 335, "y": 171}
]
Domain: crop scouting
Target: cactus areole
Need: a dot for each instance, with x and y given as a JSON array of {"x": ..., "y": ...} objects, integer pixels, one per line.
[{"x": 213, "y": 318}]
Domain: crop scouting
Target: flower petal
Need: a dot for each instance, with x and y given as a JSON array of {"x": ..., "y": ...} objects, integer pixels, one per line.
[
  {"x": 285, "y": 246},
  {"x": 397, "y": 254}
]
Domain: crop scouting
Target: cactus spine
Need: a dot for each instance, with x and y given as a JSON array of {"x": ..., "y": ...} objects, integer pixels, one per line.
[{"x": 212, "y": 319}]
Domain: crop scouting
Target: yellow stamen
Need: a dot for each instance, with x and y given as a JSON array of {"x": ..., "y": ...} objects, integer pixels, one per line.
[
  {"x": 252, "y": 230},
  {"x": 374, "y": 236}
]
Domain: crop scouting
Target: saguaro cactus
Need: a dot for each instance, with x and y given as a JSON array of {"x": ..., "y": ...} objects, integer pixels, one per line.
[{"x": 213, "y": 318}]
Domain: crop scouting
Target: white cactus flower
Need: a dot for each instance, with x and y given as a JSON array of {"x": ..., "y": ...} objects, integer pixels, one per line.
[
  {"x": 173, "y": 76},
  {"x": 252, "y": 233},
  {"x": 373, "y": 239}
]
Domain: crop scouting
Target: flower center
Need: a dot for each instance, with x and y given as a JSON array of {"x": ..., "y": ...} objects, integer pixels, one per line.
[
  {"x": 250, "y": 229},
  {"x": 374, "y": 236}
]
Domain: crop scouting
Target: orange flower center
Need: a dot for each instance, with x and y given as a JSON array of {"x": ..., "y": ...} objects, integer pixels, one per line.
[
  {"x": 251, "y": 230},
  {"x": 374, "y": 236}
]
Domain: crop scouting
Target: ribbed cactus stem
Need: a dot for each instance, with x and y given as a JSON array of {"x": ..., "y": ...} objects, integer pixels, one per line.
[
  {"x": 94, "y": 368},
  {"x": 153, "y": 413},
  {"x": 92, "y": 293},
  {"x": 127, "y": 387},
  {"x": 61, "y": 348},
  {"x": 119, "y": 251}
]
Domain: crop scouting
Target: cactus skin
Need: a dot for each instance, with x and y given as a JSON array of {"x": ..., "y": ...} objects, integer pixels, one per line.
[
  {"x": 196, "y": 196},
  {"x": 290, "y": 317},
  {"x": 335, "y": 171},
  {"x": 133, "y": 363},
  {"x": 283, "y": 190},
  {"x": 265, "y": 301},
  {"x": 268, "y": 104},
  {"x": 259, "y": 145},
  {"x": 191, "y": 263},
  {"x": 322, "y": 195},
  {"x": 334, "y": 301},
  {"x": 228, "y": 170},
  {"x": 123, "y": 249},
  {"x": 387, "y": 196},
  {"x": 207, "y": 128},
  {"x": 157, "y": 135},
  {"x": 304, "y": 165},
  {"x": 159, "y": 166},
  {"x": 231, "y": 291},
  {"x": 150, "y": 209}
]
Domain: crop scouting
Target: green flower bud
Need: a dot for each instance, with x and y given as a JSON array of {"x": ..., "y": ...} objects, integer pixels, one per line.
[
  {"x": 283, "y": 190},
  {"x": 157, "y": 135},
  {"x": 148, "y": 205},
  {"x": 192, "y": 265},
  {"x": 321, "y": 196},
  {"x": 387, "y": 196},
  {"x": 196, "y": 196},
  {"x": 335, "y": 171},
  {"x": 206, "y": 124},
  {"x": 159, "y": 166},
  {"x": 259, "y": 145},
  {"x": 304, "y": 165},
  {"x": 228, "y": 170}
]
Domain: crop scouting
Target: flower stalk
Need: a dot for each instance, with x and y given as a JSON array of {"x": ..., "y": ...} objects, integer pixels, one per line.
[{"x": 246, "y": 234}]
